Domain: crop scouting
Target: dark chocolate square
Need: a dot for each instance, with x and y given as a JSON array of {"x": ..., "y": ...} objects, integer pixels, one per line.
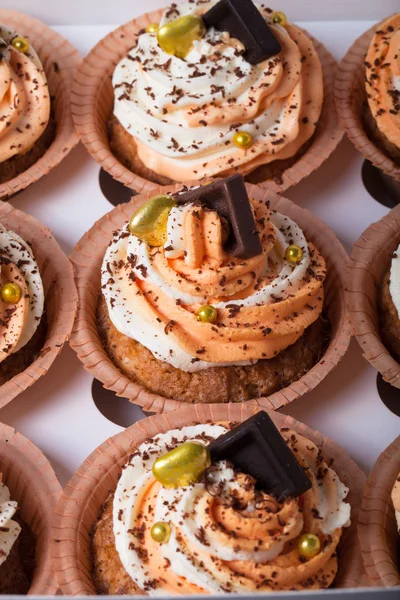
[{"x": 258, "y": 449}]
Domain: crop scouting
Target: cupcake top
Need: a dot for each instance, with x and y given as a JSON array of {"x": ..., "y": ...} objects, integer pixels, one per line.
[
  {"x": 394, "y": 281},
  {"x": 219, "y": 530},
  {"x": 383, "y": 78},
  {"x": 202, "y": 109},
  {"x": 396, "y": 500},
  {"x": 24, "y": 95},
  {"x": 21, "y": 293},
  {"x": 9, "y": 529},
  {"x": 201, "y": 287}
]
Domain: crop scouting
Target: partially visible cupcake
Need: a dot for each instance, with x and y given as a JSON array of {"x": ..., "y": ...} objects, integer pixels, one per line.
[
  {"x": 17, "y": 547},
  {"x": 201, "y": 93},
  {"x": 373, "y": 286},
  {"x": 36, "y": 70},
  {"x": 382, "y": 83},
  {"x": 367, "y": 94},
  {"x": 26, "y": 128},
  {"x": 37, "y": 301},
  {"x": 195, "y": 503},
  {"x": 202, "y": 302},
  {"x": 379, "y": 519},
  {"x": 29, "y": 490}
]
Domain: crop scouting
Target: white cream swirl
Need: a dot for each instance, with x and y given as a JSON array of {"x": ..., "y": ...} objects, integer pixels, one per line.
[
  {"x": 182, "y": 113},
  {"x": 9, "y": 529},
  {"x": 203, "y": 551}
]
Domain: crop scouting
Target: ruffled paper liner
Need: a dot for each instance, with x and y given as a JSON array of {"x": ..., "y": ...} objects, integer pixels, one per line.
[
  {"x": 369, "y": 260},
  {"x": 377, "y": 528},
  {"x": 80, "y": 504},
  {"x": 60, "y": 296},
  {"x": 87, "y": 258},
  {"x": 93, "y": 99},
  {"x": 350, "y": 97},
  {"x": 60, "y": 61},
  {"x": 33, "y": 484}
]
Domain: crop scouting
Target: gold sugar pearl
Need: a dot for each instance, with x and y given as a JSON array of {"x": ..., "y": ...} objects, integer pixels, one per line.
[
  {"x": 21, "y": 44},
  {"x": 152, "y": 28},
  {"x": 177, "y": 37},
  {"x": 11, "y": 293},
  {"x": 243, "y": 139},
  {"x": 207, "y": 314},
  {"x": 279, "y": 18},
  {"x": 161, "y": 532},
  {"x": 308, "y": 545},
  {"x": 182, "y": 466},
  {"x": 293, "y": 253}
]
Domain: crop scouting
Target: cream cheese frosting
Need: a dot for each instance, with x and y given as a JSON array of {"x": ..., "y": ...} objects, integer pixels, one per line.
[
  {"x": 394, "y": 281},
  {"x": 225, "y": 536},
  {"x": 264, "y": 303},
  {"x": 383, "y": 78},
  {"x": 19, "y": 322},
  {"x": 183, "y": 113},
  {"x": 24, "y": 97},
  {"x": 9, "y": 529}
]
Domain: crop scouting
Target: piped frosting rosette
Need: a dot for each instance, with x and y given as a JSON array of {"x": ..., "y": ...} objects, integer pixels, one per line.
[
  {"x": 263, "y": 303},
  {"x": 383, "y": 78},
  {"x": 24, "y": 96},
  {"x": 21, "y": 313},
  {"x": 225, "y": 535},
  {"x": 183, "y": 112},
  {"x": 9, "y": 529}
]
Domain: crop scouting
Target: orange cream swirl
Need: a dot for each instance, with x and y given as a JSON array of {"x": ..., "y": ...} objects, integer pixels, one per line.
[
  {"x": 264, "y": 303},
  {"x": 383, "y": 78},
  {"x": 225, "y": 535},
  {"x": 183, "y": 113},
  {"x": 24, "y": 97}
]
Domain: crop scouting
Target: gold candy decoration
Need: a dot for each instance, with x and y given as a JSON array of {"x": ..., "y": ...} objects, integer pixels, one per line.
[
  {"x": 182, "y": 466},
  {"x": 308, "y": 545},
  {"x": 152, "y": 28},
  {"x": 243, "y": 140},
  {"x": 11, "y": 293},
  {"x": 21, "y": 44},
  {"x": 177, "y": 37},
  {"x": 149, "y": 223},
  {"x": 160, "y": 532},
  {"x": 279, "y": 18},
  {"x": 293, "y": 253},
  {"x": 207, "y": 314}
]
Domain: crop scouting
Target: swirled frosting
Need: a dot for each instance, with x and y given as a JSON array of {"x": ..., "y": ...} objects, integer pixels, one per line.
[
  {"x": 9, "y": 529},
  {"x": 18, "y": 322},
  {"x": 24, "y": 97},
  {"x": 183, "y": 113},
  {"x": 225, "y": 535},
  {"x": 383, "y": 78},
  {"x": 264, "y": 303}
]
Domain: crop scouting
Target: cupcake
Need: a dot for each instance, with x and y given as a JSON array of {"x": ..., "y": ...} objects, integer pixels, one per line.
[
  {"x": 28, "y": 492},
  {"x": 199, "y": 506},
  {"x": 367, "y": 91},
  {"x": 373, "y": 296},
  {"x": 37, "y": 301},
  {"x": 207, "y": 297},
  {"x": 207, "y": 91},
  {"x": 377, "y": 527},
  {"x": 36, "y": 130}
]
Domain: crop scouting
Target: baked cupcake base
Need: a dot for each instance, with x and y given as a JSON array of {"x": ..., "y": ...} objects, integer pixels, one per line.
[
  {"x": 217, "y": 384},
  {"x": 19, "y": 163},
  {"x": 16, "y": 573}
]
